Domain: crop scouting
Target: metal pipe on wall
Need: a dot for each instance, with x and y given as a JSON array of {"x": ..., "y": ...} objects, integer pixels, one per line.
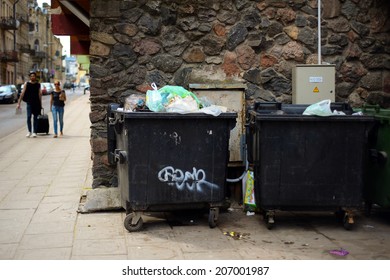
[
  {"x": 319, "y": 32},
  {"x": 14, "y": 15}
]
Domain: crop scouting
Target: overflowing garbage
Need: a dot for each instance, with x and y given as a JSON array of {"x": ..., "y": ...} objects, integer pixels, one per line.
[
  {"x": 323, "y": 109},
  {"x": 171, "y": 99}
]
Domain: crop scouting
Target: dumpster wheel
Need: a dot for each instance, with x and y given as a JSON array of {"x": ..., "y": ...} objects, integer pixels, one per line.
[
  {"x": 133, "y": 222},
  {"x": 213, "y": 217},
  {"x": 348, "y": 220},
  {"x": 269, "y": 218}
]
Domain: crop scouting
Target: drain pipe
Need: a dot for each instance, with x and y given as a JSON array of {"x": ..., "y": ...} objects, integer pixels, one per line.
[
  {"x": 319, "y": 32},
  {"x": 237, "y": 179},
  {"x": 243, "y": 174}
]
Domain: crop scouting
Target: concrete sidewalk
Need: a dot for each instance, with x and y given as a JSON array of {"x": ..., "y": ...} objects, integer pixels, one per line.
[{"x": 42, "y": 180}]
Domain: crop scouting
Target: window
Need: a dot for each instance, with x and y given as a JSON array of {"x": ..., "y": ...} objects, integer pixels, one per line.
[{"x": 36, "y": 45}]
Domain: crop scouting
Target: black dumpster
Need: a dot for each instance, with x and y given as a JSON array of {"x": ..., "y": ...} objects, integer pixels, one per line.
[
  {"x": 169, "y": 161},
  {"x": 308, "y": 162}
]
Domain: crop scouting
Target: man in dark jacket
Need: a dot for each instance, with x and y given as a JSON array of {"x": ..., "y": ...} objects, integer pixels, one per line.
[{"x": 32, "y": 95}]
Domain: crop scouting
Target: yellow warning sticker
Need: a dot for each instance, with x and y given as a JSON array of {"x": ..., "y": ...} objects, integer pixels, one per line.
[{"x": 316, "y": 89}]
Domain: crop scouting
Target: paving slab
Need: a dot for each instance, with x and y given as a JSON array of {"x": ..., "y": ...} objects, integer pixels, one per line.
[
  {"x": 44, "y": 254},
  {"x": 46, "y": 240},
  {"x": 92, "y": 247}
]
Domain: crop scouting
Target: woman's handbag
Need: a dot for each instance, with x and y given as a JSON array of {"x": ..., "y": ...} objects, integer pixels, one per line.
[{"x": 62, "y": 96}]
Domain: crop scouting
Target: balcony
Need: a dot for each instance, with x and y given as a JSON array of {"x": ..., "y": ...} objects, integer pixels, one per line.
[
  {"x": 9, "y": 56},
  {"x": 23, "y": 18},
  {"x": 9, "y": 23},
  {"x": 25, "y": 48},
  {"x": 37, "y": 56}
]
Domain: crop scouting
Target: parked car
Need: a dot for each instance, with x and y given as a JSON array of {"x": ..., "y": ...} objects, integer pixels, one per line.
[
  {"x": 19, "y": 87},
  {"x": 46, "y": 88},
  {"x": 8, "y": 94},
  {"x": 67, "y": 85}
]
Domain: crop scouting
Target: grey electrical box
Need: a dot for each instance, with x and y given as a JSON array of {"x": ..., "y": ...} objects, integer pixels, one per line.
[{"x": 313, "y": 83}]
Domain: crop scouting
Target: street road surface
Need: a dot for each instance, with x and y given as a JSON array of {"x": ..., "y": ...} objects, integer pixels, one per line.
[{"x": 10, "y": 122}]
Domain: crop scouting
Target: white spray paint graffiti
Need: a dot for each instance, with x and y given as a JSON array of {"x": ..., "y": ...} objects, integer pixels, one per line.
[
  {"x": 194, "y": 181},
  {"x": 176, "y": 138}
]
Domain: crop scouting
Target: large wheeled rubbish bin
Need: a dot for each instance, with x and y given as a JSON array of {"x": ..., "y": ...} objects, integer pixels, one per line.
[
  {"x": 377, "y": 186},
  {"x": 169, "y": 161},
  {"x": 308, "y": 162}
]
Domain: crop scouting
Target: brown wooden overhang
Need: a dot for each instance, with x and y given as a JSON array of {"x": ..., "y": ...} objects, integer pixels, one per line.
[{"x": 71, "y": 18}]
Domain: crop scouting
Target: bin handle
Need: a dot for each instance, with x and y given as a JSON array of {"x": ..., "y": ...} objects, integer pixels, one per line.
[
  {"x": 122, "y": 118},
  {"x": 379, "y": 157},
  {"x": 120, "y": 156},
  {"x": 376, "y": 107},
  {"x": 112, "y": 120}
]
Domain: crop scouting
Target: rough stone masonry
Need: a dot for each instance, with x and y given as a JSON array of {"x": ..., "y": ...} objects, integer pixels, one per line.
[{"x": 135, "y": 43}]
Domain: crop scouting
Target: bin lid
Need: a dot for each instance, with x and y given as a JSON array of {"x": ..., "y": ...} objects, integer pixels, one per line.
[
  {"x": 270, "y": 107},
  {"x": 165, "y": 115},
  {"x": 282, "y": 116},
  {"x": 379, "y": 113}
]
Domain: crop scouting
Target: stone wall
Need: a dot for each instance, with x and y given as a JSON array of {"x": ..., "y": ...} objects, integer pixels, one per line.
[{"x": 135, "y": 43}]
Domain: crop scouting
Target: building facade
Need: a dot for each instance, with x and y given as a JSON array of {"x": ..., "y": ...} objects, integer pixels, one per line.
[{"x": 27, "y": 43}]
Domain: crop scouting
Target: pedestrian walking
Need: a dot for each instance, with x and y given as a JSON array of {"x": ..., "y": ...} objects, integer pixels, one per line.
[
  {"x": 57, "y": 104},
  {"x": 32, "y": 95}
]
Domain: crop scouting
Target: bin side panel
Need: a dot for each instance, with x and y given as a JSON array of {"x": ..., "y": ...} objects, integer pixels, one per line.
[
  {"x": 377, "y": 187},
  {"x": 122, "y": 168}
]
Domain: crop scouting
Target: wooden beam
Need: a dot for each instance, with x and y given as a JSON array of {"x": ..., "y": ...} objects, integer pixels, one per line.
[
  {"x": 68, "y": 25},
  {"x": 79, "y": 47}
]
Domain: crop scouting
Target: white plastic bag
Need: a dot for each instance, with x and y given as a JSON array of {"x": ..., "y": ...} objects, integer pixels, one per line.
[
  {"x": 214, "y": 110},
  {"x": 321, "y": 108}
]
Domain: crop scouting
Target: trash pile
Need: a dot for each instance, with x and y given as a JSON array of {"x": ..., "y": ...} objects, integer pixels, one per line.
[{"x": 171, "y": 99}]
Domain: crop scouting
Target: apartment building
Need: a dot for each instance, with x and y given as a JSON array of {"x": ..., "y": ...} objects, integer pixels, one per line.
[{"x": 27, "y": 43}]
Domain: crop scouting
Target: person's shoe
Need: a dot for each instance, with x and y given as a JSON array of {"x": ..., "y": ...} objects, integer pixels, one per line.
[
  {"x": 34, "y": 135},
  {"x": 61, "y": 133},
  {"x": 55, "y": 136},
  {"x": 28, "y": 135}
]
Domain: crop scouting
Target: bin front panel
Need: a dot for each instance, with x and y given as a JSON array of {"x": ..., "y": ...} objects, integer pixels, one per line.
[
  {"x": 309, "y": 163},
  {"x": 176, "y": 161}
]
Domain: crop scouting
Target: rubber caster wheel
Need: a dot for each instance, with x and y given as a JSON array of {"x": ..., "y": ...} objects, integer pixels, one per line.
[
  {"x": 347, "y": 223},
  {"x": 131, "y": 225},
  {"x": 213, "y": 217},
  {"x": 269, "y": 220}
]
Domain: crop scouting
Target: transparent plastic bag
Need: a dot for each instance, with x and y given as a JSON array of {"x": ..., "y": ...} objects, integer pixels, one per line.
[
  {"x": 171, "y": 99},
  {"x": 182, "y": 105},
  {"x": 134, "y": 102},
  {"x": 155, "y": 100}
]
